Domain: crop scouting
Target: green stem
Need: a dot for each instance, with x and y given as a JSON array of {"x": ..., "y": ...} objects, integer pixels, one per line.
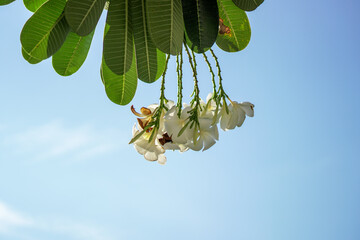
[
  {"x": 157, "y": 115},
  {"x": 212, "y": 75},
  {"x": 194, "y": 113},
  {"x": 222, "y": 95},
  {"x": 162, "y": 89},
  {"x": 180, "y": 87},
  {"x": 193, "y": 67}
]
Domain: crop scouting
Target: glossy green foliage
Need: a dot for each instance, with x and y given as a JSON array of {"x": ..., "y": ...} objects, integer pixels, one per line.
[
  {"x": 33, "y": 5},
  {"x": 120, "y": 89},
  {"x": 57, "y": 36},
  {"x": 83, "y": 15},
  {"x": 6, "y": 2},
  {"x": 118, "y": 41},
  {"x": 248, "y": 5},
  {"x": 137, "y": 36},
  {"x": 44, "y": 33},
  {"x": 201, "y": 18},
  {"x": 166, "y": 24},
  {"x": 234, "y": 34},
  {"x": 149, "y": 60},
  {"x": 72, "y": 54}
]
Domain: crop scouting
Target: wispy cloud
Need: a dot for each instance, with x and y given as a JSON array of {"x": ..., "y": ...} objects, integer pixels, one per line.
[
  {"x": 14, "y": 224},
  {"x": 54, "y": 139},
  {"x": 9, "y": 219}
]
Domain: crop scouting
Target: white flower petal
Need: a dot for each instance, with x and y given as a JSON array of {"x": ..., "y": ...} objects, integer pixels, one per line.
[
  {"x": 233, "y": 120},
  {"x": 170, "y": 104},
  {"x": 134, "y": 130},
  {"x": 183, "y": 148},
  {"x": 225, "y": 118},
  {"x": 205, "y": 123},
  {"x": 209, "y": 97},
  {"x": 209, "y": 141},
  {"x": 140, "y": 150},
  {"x": 152, "y": 107},
  {"x": 215, "y": 132},
  {"x": 185, "y": 112},
  {"x": 241, "y": 118},
  {"x": 161, "y": 159},
  {"x": 196, "y": 147},
  {"x": 151, "y": 156},
  {"x": 186, "y": 136},
  {"x": 171, "y": 146},
  {"x": 248, "y": 108}
]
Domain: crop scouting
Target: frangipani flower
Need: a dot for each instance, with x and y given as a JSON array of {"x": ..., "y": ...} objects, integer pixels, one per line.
[
  {"x": 145, "y": 115},
  {"x": 152, "y": 151},
  {"x": 173, "y": 125},
  {"x": 209, "y": 108},
  {"x": 195, "y": 128},
  {"x": 236, "y": 115},
  {"x": 205, "y": 135},
  {"x": 165, "y": 126}
]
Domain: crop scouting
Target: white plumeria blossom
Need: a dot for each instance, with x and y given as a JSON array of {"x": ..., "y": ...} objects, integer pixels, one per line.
[
  {"x": 209, "y": 108},
  {"x": 205, "y": 135},
  {"x": 152, "y": 151},
  {"x": 173, "y": 124},
  {"x": 201, "y": 136},
  {"x": 236, "y": 115}
]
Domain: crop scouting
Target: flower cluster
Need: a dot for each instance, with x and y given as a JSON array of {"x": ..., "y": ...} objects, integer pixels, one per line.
[{"x": 167, "y": 127}]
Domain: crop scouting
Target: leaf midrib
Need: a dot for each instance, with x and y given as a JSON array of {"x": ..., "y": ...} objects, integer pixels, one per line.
[
  {"x": 171, "y": 24},
  {"x": 47, "y": 34},
  {"x": 72, "y": 55},
  {"x": 85, "y": 16},
  {"x": 198, "y": 20},
  {"x": 146, "y": 40},
  {"x": 233, "y": 30},
  {"x": 31, "y": 55},
  {"x": 125, "y": 42}
]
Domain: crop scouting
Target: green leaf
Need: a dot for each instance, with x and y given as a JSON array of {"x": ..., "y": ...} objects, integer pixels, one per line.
[
  {"x": 83, "y": 15},
  {"x": 248, "y": 5},
  {"x": 6, "y": 2},
  {"x": 57, "y": 36},
  {"x": 118, "y": 42},
  {"x": 44, "y": 33},
  {"x": 29, "y": 58},
  {"x": 120, "y": 89},
  {"x": 234, "y": 32},
  {"x": 166, "y": 24},
  {"x": 72, "y": 54},
  {"x": 33, "y": 5},
  {"x": 149, "y": 60},
  {"x": 201, "y": 18}
]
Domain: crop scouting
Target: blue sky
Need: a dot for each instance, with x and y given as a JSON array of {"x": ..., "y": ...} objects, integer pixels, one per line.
[{"x": 291, "y": 172}]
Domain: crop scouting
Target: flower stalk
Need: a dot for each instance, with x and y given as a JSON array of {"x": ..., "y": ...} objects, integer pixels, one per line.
[
  {"x": 179, "y": 63},
  {"x": 169, "y": 126},
  {"x": 220, "y": 93},
  {"x": 195, "y": 102}
]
